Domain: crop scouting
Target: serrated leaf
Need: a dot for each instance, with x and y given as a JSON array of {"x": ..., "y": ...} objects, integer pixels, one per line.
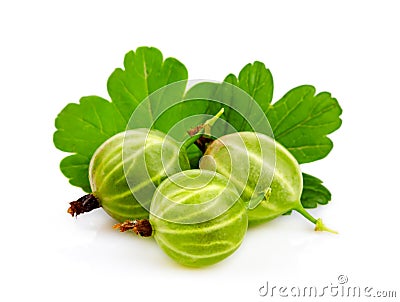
[
  {"x": 75, "y": 168},
  {"x": 241, "y": 112},
  {"x": 83, "y": 127},
  {"x": 245, "y": 98},
  {"x": 257, "y": 81},
  {"x": 211, "y": 95},
  {"x": 145, "y": 72},
  {"x": 301, "y": 121},
  {"x": 314, "y": 192}
]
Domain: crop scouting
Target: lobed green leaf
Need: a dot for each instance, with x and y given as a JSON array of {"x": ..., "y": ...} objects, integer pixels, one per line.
[
  {"x": 83, "y": 127},
  {"x": 301, "y": 121},
  {"x": 145, "y": 72},
  {"x": 76, "y": 168},
  {"x": 257, "y": 81},
  {"x": 314, "y": 193}
]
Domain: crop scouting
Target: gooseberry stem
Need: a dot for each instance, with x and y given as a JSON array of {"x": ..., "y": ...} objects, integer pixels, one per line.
[
  {"x": 202, "y": 131},
  {"x": 191, "y": 140},
  {"x": 319, "y": 225},
  {"x": 141, "y": 227},
  {"x": 84, "y": 204},
  {"x": 209, "y": 123}
]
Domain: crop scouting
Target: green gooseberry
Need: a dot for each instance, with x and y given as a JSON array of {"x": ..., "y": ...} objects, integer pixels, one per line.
[
  {"x": 125, "y": 171},
  {"x": 266, "y": 174},
  {"x": 196, "y": 217}
]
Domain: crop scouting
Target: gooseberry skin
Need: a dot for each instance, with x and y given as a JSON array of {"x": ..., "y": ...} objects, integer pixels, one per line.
[
  {"x": 139, "y": 153},
  {"x": 273, "y": 172},
  {"x": 200, "y": 243}
]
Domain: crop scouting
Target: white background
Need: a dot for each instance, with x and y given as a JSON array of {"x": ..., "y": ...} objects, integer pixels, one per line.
[{"x": 54, "y": 52}]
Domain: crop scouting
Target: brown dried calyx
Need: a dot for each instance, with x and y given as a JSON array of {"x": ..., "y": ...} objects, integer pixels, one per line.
[
  {"x": 141, "y": 227},
  {"x": 203, "y": 142},
  {"x": 84, "y": 204},
  {"x": 201, "y": 134}
]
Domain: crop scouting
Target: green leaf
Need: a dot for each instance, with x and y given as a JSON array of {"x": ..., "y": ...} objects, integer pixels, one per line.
[
  {"x": 245, "y": 98},
  {"x": 314, "y": 193},
  {"x": 211, "y": 95},
  {"x": 76, "y": 168},
  {"x": 302, "y": 120},
  {"x": 257, "y": 81},
  {"x": 83, "y": 127},
  {"x": 145, "y": 72}
]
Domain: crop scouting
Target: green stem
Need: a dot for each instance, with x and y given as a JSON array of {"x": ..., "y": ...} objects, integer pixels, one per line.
[
  {"x": 209, "y": 123},
  {"x": 307, "y": 215},
  {"x": 201, "y": 130},
  {"x": 319, "y": 225},
  {"x": 191, "y": 140}
]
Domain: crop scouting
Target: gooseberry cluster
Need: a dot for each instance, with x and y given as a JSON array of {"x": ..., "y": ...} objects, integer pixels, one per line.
[{"x": 142, "y": 178}]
